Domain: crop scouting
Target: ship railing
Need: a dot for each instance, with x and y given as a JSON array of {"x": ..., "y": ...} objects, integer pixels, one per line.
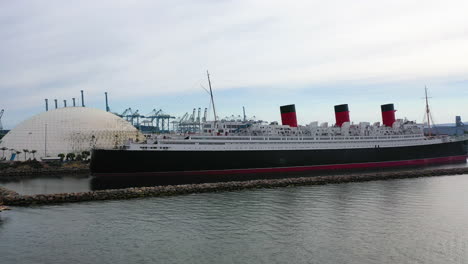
[
  {"x": 278, "y": 145},
  {"x": 304, "y": 138}
]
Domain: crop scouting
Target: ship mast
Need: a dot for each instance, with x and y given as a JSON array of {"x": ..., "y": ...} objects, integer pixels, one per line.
[
  {"x": 428, "y": 112},
  {"x": 212, "y": 100}
]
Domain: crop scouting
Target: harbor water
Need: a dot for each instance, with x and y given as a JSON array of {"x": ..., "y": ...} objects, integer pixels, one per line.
[{"x": 419, "y": 220}]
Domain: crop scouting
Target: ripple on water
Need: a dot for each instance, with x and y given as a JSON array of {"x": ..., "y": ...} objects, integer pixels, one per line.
[{"x": 419, "y": 220}]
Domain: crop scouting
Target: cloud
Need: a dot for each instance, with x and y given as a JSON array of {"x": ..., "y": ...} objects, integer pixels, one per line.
[{"x": 142, "y": 49}]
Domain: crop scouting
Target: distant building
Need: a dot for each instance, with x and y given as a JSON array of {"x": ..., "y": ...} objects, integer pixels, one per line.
[{"x": 66, "y": 130}]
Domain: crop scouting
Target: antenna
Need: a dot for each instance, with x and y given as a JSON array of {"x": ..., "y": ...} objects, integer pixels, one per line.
[{"x": 212, "y": 100}]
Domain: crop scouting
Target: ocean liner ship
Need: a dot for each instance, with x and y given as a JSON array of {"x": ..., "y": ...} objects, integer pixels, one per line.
[{"x": 249, "y": 150}]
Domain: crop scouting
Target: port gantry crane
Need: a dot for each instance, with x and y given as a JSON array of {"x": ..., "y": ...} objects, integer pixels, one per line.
[
  {"x": 1, "y": 114},
  {"x": 158, "y": 120},
  {"x": 155, "y": 121},
  {"x": 191, "y": 123},
  {"x": 129, "y": 115}
]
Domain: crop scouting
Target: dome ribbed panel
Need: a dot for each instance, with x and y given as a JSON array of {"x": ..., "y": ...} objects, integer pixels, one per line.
[{"x": 70, "y": 129}]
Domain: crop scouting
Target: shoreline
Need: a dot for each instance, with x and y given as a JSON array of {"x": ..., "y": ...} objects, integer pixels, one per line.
[
  {"x": 33, "y": 168},
  {"x": 21, "y": 174},
  {"x": 11, "y": 198}
]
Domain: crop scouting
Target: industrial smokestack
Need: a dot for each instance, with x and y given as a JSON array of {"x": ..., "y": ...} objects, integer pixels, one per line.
[
  {"x": 56, "y": 106},
  {"x": 107, "y": 104},
  {"x": 82, "y": 99},
  {"x": 245, "y": 117},
  {"x": 73, "y": 101},
  {"x": 388, "y": 114},
  {"x": 288, "y": 115},
  {"x": 47, "y": 105},
  {"x": 341, "y": 114},
  {"x": 64, "y": 103}
]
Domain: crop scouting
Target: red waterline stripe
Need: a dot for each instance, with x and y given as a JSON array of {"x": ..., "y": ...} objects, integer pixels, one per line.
[{"x": 383, "y": 164}]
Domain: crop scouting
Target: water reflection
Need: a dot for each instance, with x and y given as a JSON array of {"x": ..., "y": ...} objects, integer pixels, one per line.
[
  {"x": 421, "y": 220},
  {"x": 49, "y": 184},
  {"x": 83, "y": 183},
  {"x": 3, "y": 220},
  {"x": 102, "y": 183}
]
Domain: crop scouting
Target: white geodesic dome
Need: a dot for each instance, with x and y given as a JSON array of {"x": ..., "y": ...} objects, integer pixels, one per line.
[{"x": 67, "y": 130}]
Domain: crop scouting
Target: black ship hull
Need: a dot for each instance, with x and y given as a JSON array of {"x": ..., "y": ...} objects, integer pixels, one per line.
[{"x": 198, "y": 166}]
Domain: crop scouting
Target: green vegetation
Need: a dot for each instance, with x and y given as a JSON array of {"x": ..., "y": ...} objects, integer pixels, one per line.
[
  {"x": 85, "y": 155},
  {"x": 3, "y": 149},
  {"x": 34, "y": 164},
  {"x": 25, "y": 161},
  {"x": 29, "y": 166},
  {"x": 70, "y": 156}
]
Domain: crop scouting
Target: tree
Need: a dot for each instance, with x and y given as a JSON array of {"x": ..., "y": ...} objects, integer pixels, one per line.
[
  {"x": 79, "y": 157},
  {"x": 17, "y": 153},
  {"x": 70, "y": 156},
  {"x": 3, "y": 149},
  {"x": 61, "y": 156},
  {"x": 25, "y": 151},
  {"x": 85, "y": 155},
  {"x": 33, "y": 152},
  {"x": 12, "y": 151}
]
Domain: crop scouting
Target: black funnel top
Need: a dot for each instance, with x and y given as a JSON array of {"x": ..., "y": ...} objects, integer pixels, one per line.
[
  {"x": 387, "y": 107},
  {"x": 341, "y": 108}
]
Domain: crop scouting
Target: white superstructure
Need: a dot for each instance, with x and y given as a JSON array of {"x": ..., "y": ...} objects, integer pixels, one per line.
[{"x": 232, "y": 136}]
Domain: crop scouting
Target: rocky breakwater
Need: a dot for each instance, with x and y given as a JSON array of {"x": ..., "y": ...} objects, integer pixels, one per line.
[
  {"x": 12, "y": 198},
  {"x": 8, "y": 194}
]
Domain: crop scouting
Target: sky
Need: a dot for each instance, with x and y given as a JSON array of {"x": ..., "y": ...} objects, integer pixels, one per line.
[{"x": 150, "y": 54}]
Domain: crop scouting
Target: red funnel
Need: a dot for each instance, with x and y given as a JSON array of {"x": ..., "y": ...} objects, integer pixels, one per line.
[
  {"x": 341, "y": 114},
  {"x": 288, "y": 115},
  {"x": 388, "y": 114}
]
